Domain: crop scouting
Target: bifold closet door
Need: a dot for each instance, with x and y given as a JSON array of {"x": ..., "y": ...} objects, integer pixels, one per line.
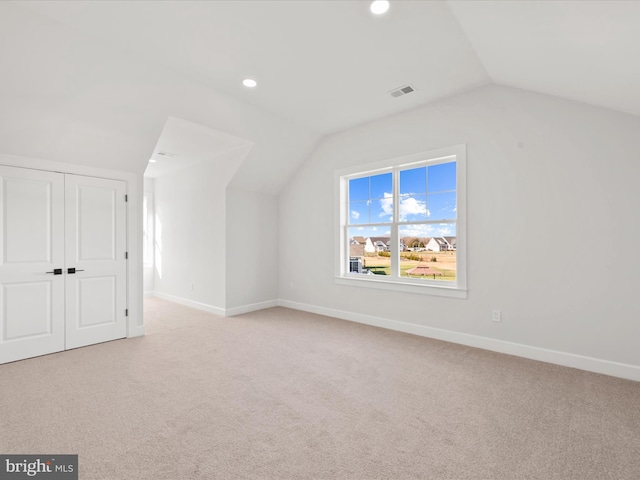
[
  {"x": 32, "y": 310},
  {"x": 95, "y": 271}
]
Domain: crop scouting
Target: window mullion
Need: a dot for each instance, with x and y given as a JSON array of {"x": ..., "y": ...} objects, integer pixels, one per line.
[{"x": 395, "y": 240}]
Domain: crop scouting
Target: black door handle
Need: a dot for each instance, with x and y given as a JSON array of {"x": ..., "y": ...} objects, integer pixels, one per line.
[
  {"x": 56, "y": 271},
  {"x": 73, "y": 270}
]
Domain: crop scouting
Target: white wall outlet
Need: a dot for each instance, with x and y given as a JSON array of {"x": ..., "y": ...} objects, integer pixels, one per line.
[{"x": 496, "y": 316}]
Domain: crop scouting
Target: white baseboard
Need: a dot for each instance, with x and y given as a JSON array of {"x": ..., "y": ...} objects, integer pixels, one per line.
[
  {"x": 596, "y": 365},
  {"x": 228, "y": 312},
  {"x": 251, "y": 307},
  {"x": 190, "y": 303}
]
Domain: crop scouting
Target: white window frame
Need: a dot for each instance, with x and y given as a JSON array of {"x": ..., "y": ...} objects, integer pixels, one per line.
[{"x": 457, "y": 288}]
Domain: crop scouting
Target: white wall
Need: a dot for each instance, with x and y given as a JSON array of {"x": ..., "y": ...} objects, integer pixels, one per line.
[
  {"x": 190, "y": 229},
  {"x": 252, "y": 251},
  {"x": 545, "y": 177},
  {"x": 148, "y": 264}
]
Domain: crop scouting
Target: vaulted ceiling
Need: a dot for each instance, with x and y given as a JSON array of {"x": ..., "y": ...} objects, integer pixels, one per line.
[{"x": 325, "y": 66}]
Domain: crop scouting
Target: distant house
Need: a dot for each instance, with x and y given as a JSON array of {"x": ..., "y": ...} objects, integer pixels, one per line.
[
  {"x": 437, "y": 244},
  {"x": 380, "y": 243},
  {"x": 441, "y": 244},
  {"x": 365, "y": 242},
  {"x": 380, "y": 246},
  {"x": 452, "y": 242},
  {"x": 383, "y": 244}
]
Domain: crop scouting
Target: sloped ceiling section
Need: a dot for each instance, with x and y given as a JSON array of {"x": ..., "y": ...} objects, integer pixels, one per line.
[
  {"x": 183, "y": 144},
  {"x": 70, "y": 97},
  {"x": 586, "y": 51}
]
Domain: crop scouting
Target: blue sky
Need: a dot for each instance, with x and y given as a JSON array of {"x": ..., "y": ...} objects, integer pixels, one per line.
[{"x": 426, "y": 193}]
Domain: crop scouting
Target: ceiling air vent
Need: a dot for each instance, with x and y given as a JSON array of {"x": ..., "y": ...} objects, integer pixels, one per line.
[{"x": 398, "y": 92}]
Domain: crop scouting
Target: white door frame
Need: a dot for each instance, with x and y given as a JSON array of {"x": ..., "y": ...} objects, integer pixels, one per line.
[{"x": 134, "y": 181}]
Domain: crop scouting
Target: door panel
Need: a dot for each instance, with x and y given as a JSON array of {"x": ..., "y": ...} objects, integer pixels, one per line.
[
  {"x": 32, "y": 317},
  {"x": 27, "y": 220},
  {"x": 24, "y": 317},
  {"x": 93, "y": 294},
  {"x": 95, "y": 246},
  {"x": 96, "y": 222}
]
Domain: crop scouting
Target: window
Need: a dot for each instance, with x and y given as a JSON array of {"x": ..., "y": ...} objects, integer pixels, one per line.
[{"x": 402, "y": 223}]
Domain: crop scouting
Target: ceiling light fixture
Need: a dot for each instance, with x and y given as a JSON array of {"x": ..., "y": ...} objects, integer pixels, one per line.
[
  {"x": 379, "y": 7},
  {"x": 249, "y": 82},
  {"x": 152, "y": 161}
]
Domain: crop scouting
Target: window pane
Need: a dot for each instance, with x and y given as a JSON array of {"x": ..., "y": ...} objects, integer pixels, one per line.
[
  {"x": 380, "y": 186},
  {"x": 442, "y": 206},
  {"x": 430, "y": 252},
  {"x": 368, "y": 251},
  {"x": 358, "y": 212},
  {"x": 413, "y": 181},
  {"x": 442, "y": 177},
  {"x": 359, "y": 189}
]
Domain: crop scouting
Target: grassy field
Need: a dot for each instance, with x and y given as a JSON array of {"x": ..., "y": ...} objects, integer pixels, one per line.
[{"x": 445, "y": 263}]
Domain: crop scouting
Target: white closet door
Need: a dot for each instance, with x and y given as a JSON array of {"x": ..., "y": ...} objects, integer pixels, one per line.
[
  {"x": 95, "y": 248},
  {"x": 32, "y": 317}
]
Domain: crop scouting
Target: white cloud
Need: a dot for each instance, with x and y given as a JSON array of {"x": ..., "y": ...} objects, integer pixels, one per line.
[
  {"x": 441, "y": 230},
  {"x": 415, "y": 231},
  {"x": 386, "y": 204},
  {"x": 355, "y": 215},
  {"x": 444, "y": 230},
  {"x": 412, "y": 206}
]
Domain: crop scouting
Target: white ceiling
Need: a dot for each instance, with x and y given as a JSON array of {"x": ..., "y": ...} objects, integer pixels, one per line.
[
  {"x": 329, "y": 65},
  {"x": 322, "y": 65},
  {"x": 325, "y": 64},
  {"x": 587, "y": 51},
  {"x": 183, "y": 144}
]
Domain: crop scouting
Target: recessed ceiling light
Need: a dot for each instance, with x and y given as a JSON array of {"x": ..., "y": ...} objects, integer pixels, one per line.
[
  {"x": 249, "y": 82},
  {"x": 379, "y": 7},
  {"x": 152, "y": 161}
]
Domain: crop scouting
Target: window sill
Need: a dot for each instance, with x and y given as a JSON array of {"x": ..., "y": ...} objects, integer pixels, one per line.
[{"x": 406, "y": 287}]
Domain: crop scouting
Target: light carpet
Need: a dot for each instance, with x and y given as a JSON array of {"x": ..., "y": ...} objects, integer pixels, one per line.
[{"x": 282, "y": 394}]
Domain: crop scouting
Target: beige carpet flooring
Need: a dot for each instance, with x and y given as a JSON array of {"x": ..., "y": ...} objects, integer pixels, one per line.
[{"x": 281, "y": 394}]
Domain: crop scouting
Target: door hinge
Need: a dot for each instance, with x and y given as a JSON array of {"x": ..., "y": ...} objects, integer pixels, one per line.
[
  {"x": 126, "y": 312},
  {"x": 126, "y": 198},
  {"x": 126, "y": 255}
]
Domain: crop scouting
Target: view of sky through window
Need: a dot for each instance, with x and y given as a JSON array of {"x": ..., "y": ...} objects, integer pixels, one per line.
[{"x": 426, "y": 194}]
